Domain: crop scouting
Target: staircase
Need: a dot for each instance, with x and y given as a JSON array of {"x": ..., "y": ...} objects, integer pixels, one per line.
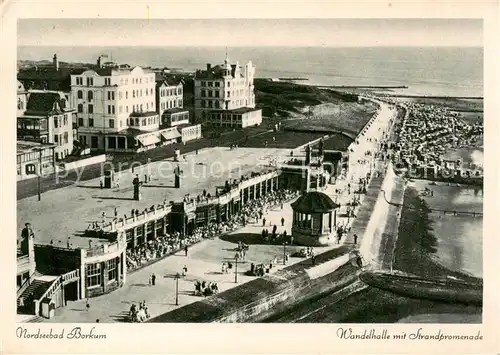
[{"x": 37, "y": 288}]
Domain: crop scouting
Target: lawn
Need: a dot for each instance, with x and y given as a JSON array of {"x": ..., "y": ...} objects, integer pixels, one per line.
[{"x": 346, "y": 117}]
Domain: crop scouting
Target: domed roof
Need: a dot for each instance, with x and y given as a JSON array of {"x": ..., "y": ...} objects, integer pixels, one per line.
[{"x": 314, "y": 202}]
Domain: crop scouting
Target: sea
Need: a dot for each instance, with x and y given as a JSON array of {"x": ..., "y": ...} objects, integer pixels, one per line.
[{"x": 430, "y": 71}]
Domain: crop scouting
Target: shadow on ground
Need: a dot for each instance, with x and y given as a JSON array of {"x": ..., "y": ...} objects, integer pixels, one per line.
[{"x": 253, "y": 239}]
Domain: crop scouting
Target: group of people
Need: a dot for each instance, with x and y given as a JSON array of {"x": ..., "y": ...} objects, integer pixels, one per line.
[
  {"x": 260, "y": 269},
  {"x": 139, "y": 315},
  {"x": 205, "y": 288},
  {"x": 158, "y": 248}
]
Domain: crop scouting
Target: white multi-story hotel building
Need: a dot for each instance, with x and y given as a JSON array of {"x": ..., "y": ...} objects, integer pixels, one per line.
[
  {"x": 224, "y": 96},
  {"x": 117, "y": 108},
  {"x": 109, "y": 102}
]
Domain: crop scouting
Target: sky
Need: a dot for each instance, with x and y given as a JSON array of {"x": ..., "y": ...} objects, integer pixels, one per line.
[{"x": 251, "y": 32}]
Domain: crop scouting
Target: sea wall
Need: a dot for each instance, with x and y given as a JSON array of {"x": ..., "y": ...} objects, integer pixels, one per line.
[{"x": 378, "y": 219}]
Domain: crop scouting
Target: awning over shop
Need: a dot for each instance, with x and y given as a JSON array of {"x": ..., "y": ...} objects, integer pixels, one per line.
[
  {"x": 148, "y": 139},
  {"x": 170, "y": 134}
]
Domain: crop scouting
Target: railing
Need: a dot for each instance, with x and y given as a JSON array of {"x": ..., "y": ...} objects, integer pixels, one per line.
[
  {"x": 23, "y": 261},
  {"x": 145, "y": 215},
  {"x": 52, "y": 289},
  {"x": 105, "y": 249},
  {"x": 24, "y": 286},
  {"x": 71, "y": 276}
]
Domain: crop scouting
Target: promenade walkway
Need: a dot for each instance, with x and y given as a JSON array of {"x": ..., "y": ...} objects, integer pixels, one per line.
[
  {"x": 68, "y": 211},
  {"x": 203, "y": 262}
]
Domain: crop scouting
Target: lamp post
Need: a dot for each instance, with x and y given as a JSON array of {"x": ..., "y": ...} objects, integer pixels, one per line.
[
  {"x": 236, "y": 257},
  {"x": 177, "y": 277},
  {"x": 284, "y": 252}
]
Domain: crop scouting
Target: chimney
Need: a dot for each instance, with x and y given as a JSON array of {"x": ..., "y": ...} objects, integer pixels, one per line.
[
  {"x": 99, "y": 62},
  {"x": 209, "y": 67},
  {"x": 55, "y": 62}
]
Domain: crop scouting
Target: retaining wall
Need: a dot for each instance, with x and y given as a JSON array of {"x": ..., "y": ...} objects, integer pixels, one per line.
[{"x": 82, "y": 162}]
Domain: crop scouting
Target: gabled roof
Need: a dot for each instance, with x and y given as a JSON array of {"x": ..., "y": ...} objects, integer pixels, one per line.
[
  {"x": 46, "y": 102},
  {"x": 168, "y": 80}
]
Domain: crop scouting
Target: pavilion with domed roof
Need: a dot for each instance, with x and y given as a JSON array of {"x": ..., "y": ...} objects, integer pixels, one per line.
[{"x": 314, "y": 219}]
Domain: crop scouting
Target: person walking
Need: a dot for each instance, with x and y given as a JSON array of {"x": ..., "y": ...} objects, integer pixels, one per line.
[
  {"x": 153, "y": 279},
  {"x": 184, "y": 271},
  {"x": 355, "y": 239},
  {"x": 87, "y": 304},
  {"x": 282, "y": 221},
  {"x": 186, "y": 250},
  {"x": 264, "y": 222}
]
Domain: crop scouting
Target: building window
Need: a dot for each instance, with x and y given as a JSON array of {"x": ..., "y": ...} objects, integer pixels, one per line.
[
  {"x": 56, "y": 122},
  {"x": 229, "y": 94},
  {"x": 113, "y": 109},
  {"x": 147, "y": 106},
  {"x": 79, "y": 94},
  {"x": 217, "y": 105},
  {"x": 151, "y": 91},
  {"x": 90, "y": 81},
  {"x": 109, "y": 109},
  {"x": 80, "y": 121},
  {"x": 210, "y": 94},
  {"x": 107, "y": 81},
  {"x": 133, "y": 93},
  {"x": 93, "y": 274},
  {"x": 90, "y": 95},
  {"x": 228, "y": 84},
  {"x": 217, "y": 84},
  {"x": 91, "y": 122},
  {"x": 210, "y": 104},
  {"x": 210, "y": 84},
  {"x": 202, "y": 103},
  {"x": 203, "y": 83},
  {"x": 217, "y": 93},
  {"x": 111, "y": 123},
  {"x": 112, "y": 269},
  {"x": 79, "y": 81},
  {"x": 66, "y": 138},
  {"x": 126, "y": 94},
  {"x": 56, "y": 139},
  {"x": 91, "y": 108}
]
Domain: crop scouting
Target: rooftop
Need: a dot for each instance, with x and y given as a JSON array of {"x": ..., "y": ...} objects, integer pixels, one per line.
[
  {"x": 143, "y": 114},
  {"x": 174, "y": 110},
  {"x": 46, "y": 102},
  {"x": 28, "y": 146},
  {"x": 314, "y": 202},
  {"x": 168, "y": 80},
  {"x": 338, "y": 142}
]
